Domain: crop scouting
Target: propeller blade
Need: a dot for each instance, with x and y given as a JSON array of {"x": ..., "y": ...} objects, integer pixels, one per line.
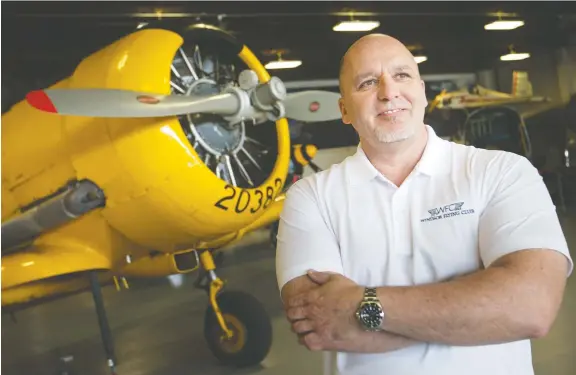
[
  {"x": 313, "y": 106},
  {"x": 124, "y": 103}
]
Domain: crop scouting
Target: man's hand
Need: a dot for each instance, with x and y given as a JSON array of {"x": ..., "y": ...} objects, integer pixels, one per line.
[{"x": 323, "y": 317}]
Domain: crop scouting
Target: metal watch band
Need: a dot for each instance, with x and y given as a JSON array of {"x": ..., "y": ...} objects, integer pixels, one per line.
[{"x": 370, "y": 295}]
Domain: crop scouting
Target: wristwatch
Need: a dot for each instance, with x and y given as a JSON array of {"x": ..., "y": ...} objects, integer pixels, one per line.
[{"x": 370, "y": 314}]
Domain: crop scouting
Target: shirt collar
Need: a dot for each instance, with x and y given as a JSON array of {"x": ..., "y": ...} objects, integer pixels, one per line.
[{"x": 434, "y": 161}]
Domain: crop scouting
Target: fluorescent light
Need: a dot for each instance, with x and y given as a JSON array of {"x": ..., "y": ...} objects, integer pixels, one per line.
[
  {"x": 283, "y": 64},
  {"x": 420, "y": 59},
  {"x": 514, "y": 56},
  {"x": 503, "y": 25},
  {"x": 356, "y": 26}
]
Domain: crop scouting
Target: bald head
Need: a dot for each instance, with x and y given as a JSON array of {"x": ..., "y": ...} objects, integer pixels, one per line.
[{"x": 370, "y": 42}]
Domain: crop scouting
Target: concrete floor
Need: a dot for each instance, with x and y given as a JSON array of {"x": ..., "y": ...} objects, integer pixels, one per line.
[{"x": 158, "y": 329}]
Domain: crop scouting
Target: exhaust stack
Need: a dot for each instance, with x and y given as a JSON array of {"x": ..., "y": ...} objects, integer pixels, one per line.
[{"x": 78, "y": 199}]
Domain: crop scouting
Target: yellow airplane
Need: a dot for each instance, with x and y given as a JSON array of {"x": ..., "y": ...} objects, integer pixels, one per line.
[
  {"x": 491, "y": 119},
  {"x": 144, "y": 162},
  {"x": 480, "y": 97}
]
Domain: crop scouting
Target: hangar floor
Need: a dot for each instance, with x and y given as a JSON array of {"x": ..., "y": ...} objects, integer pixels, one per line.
[{"x": 158, "y": 329}]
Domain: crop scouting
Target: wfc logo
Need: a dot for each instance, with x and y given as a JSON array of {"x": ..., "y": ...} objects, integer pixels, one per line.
[{"x": 444, "y": 212}]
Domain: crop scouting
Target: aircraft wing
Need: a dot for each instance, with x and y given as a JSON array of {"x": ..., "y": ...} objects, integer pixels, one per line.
[{"x": 477, "y": 102}]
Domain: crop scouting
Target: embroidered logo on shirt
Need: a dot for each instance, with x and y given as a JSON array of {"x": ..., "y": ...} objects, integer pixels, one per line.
[{"x": 450, "y": 210}]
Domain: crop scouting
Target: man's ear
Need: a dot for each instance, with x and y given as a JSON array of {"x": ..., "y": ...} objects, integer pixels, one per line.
[
  {"x": 424, "y": 92},
  {"x": 344, "y": 112}
]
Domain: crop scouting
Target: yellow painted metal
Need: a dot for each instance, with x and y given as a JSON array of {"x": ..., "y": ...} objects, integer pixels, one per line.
[
  {"x": 271, "y": 215},
  {"x": 216, "y": 284},
  {"x": 35, "y": 159},
  {"x": 219, "y": 242},
  {"x": 151, "y": 266},
  {"x": 155, "y": 266},
  {"x": 207, "y": 261},
  {"x": 9, "y": 203},
  {"x": 237, "y": 342},
  {"x": 45, "y": 262},
  {"x": 81, "y": 245},
  {"x": 44, "y": 289},
  {"x": 116, "y": 284}
]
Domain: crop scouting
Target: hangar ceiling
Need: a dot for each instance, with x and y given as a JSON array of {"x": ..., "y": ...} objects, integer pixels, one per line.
[{"x": 47, "y": 39}]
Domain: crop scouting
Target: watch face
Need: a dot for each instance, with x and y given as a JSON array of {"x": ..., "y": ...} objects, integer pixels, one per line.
[{"x": 371, "y": 315}]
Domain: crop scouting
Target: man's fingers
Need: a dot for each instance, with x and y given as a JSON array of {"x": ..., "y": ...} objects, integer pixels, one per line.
[
  {"x": 302, "y": 326},
  {"x": 312, "y": 341},
  {"x": 296, "y": 313},
  {"x": 319, "y": 277},
  {"x": 298, "y": 300}
]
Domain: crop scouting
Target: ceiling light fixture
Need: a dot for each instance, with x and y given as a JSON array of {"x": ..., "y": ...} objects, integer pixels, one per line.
[
  {"x": 420, "y": 59},
  {"x": 513, "y": 55},
  {"x": 347, "y": 26},
  {"x": 503, "y": 25},
  {"x": 281, "y": 64}
]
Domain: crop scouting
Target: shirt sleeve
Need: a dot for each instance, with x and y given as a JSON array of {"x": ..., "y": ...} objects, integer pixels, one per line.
[
  {"x": 305, "y": 240},
  {"x": 519, "y": 214}
]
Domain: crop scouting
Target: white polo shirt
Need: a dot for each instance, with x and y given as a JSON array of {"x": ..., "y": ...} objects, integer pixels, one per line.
[{"x": 458, "y": 211}]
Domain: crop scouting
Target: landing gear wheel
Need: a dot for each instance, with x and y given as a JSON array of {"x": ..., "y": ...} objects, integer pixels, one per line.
[{"x": 249, "y": 322}]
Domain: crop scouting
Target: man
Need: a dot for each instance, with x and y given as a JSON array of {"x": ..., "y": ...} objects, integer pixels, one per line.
[{"x": 417, "y": 255}]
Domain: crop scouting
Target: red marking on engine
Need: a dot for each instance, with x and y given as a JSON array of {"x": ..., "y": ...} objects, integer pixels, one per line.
[{"x": 314, "y": 106}]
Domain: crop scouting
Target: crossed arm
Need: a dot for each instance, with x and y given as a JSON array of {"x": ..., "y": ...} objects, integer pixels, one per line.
[
  {"x": 516, "y": 298},
  {"x": 314, "y": 337}
]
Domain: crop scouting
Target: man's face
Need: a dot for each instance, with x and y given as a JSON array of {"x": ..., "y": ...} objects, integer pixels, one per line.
[{"x": 383, "y": 96}]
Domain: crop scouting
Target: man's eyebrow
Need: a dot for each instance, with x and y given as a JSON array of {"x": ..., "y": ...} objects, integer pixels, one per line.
[
  {"x": 360, "y": 77},
  {"x": 402, "y": 68}
]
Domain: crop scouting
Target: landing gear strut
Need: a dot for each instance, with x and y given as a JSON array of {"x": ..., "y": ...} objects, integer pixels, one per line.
[
  {"x": 105, "y": 333},
  {"x": 237, "y": 328}
]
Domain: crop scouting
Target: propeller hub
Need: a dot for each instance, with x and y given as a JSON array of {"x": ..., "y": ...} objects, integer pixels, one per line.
[
  {"x": 248, "y": 80},
  {"x": 213, "y": 132},
  {"x": 277, "y": 88},
  {"x": 265, "y": 96}
]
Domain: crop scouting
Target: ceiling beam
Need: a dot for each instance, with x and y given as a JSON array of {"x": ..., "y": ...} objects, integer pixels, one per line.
[{"x": 234, "y": 9}]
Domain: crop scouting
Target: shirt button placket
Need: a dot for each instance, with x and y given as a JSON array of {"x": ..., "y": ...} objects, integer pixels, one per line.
[
  {"x": 402, "y": 232},
  {"x": 399, "y": 220}
]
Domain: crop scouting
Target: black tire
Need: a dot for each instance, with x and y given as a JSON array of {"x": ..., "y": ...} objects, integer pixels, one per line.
[{"x": 256, "y": 329}]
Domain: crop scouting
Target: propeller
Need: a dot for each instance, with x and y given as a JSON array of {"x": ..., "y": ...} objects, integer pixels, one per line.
[
  {"x": 125, "y": 103},
  {"x": 267, "y": 100},
  {"x": 313, "y": 106}
]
